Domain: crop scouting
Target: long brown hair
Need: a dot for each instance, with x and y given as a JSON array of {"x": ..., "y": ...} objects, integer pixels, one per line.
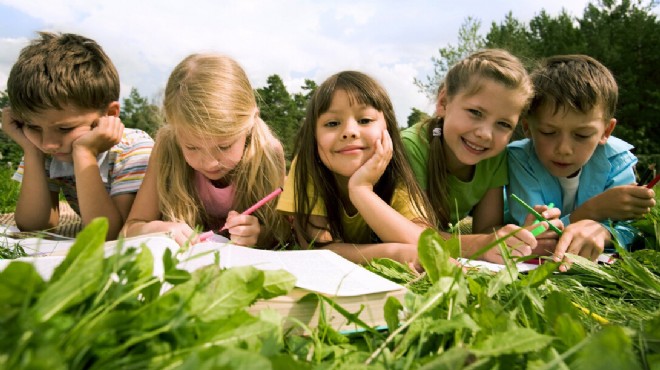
[
  {"x": 465, "y": 78},
  {"x": 361, "y": 89}
]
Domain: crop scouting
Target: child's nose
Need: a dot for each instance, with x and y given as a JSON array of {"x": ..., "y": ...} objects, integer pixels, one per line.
[
  {"x": 484, "y": 132},
  {"x": 350, "y": 130},
  {"x": 50, "y": 142},
  {"x": 564, "y": 147}
]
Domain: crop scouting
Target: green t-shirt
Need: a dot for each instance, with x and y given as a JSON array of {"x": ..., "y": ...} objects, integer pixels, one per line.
[{"x": 463, "y": 196}]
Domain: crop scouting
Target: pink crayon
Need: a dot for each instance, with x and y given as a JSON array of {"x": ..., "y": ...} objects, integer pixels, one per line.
[{"x": 205, "y": 235}]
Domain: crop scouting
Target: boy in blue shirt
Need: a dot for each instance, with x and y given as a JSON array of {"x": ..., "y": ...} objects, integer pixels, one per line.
[{"x": 571, "y": 160}]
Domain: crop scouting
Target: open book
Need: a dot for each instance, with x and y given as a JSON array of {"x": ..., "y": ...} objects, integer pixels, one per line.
[
  {"x": 317, "y": 271},
  {"x": 321, "y": 272}
]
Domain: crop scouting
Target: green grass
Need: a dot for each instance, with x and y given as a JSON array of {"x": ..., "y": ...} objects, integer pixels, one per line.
[{"x": 8, "y": 189}]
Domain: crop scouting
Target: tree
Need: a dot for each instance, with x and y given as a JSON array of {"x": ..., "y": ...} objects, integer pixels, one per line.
[
  {"x": 137, "y": 112},
  {"x": 10, "y": 152},
  {"x": 282, "y": 112},
  {"x": 416, "y": 116},
  {"x": 469, "y": 41},
  {"x": 511, "y": 35}
]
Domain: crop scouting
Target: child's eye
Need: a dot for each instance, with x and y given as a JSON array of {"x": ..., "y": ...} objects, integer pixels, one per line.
[
  {"x": 66, "y": 129},
  {"x": 582, "y": 136},
  {"x": 32, "y": 127},
  {"x": 365, "y": 121},
  {"x": 331, "y": 124},
  {"x": 223, "y": 148},
  {"x": 191, "y": 148},
  {"x": 546, "y": 133},
  {"x": 475, "y": 112},
  {"x": 505, "y": 125}
]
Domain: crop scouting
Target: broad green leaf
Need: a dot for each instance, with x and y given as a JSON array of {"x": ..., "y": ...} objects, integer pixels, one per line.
[
  {"x": 458, "y": 322},
  {"x": 392, "y": 309},
  {"x": 88, "y": 242},
  {"x": 609, "y": 348},
  {"x": 277, "y": 283},
  {"x": 176, "y": 277},
  {"x": 502, "y": 279},
  {"x": 517, "y": 340},
  {"x": 452, "y": 359},
  {"x": 539, "y": 275},
  {"x": 19, "y": 282},
  {"x": 144, "y": 261},
  {"x": 78, "y": 275},
  {"x": 557, "y": 304},
  {"x": 221, "y": 293},
  {"x": 226, "y": 358},
  {"x": 432, "y": 255},
  {"x": 240, "y": 328},
  {"x": 569, "y": 329}
]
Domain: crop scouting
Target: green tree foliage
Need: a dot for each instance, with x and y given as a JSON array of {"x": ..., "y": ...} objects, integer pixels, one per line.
[
  {"x": 469, "y": 41},
  {"x": 623, "y": 34},
  {"x": 282, "y": 111},
  {"x": 10, "y": 152},
  {"x": 137, "y": 112},
  {"x": 416, "y": 116}
]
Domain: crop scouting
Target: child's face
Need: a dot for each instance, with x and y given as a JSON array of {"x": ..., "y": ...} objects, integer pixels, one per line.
[
  {"x": 53, "y": 131},
  {"x": 213, "y": 157},
  {"x": 479, "y": 126},
  {"x": 346, "y": 135},
  {"x": 564, "y": 141}
]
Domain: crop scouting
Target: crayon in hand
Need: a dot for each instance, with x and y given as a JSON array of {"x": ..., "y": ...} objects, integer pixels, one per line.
[
  {"x": 537, "y": 215},
  {"x": 206, "y": 235}
]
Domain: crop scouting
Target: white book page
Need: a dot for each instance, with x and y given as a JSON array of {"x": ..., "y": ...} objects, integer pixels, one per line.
[
  {"x": 316, "y": 270},
  {"x": 495, "y": 267}
]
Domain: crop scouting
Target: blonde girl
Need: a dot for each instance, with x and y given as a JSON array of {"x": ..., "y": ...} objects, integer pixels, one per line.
[
  {"x": 213, "y": 158},
  {"x": 459, "y": 155},
  {"x": 350, "y": 188}
]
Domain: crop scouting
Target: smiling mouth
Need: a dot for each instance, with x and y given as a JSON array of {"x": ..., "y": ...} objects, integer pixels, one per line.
[
  {"x": 474, "y": 147},
  {"x": 350, "y": 150}
]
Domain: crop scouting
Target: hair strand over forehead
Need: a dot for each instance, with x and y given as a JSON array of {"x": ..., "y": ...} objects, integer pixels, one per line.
[{"x": 56, "y": 70}]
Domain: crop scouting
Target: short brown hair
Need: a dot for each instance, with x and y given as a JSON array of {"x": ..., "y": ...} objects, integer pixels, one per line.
[
  {"x": 56, "y": 70},
  {"x": 577, "y": 82}
]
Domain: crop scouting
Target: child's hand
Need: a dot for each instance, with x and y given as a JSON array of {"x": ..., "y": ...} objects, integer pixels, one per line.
[
  {"x": 547, "y": 240},
  {"x": 623, "y": 203},
  {"x": 586, "y": 238},
  {"x": 14, "y": 129},
  {"x": 179, "y": 231},
  {"x": 369, "y": 173},
  {"x": 104, "y": 134},
  {"x": 243, "y": 229},
  {"x": 520, "y": 244}
]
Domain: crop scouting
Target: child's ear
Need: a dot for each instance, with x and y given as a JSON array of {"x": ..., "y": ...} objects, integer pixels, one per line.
[
  {"x": 441, "y": 103},
  {"x": 113, "y": 109},
  {"x": 608, "y": 131}
]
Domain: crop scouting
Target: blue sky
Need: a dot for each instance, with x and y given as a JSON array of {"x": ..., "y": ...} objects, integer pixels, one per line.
[{"x": 392, "y": 40}]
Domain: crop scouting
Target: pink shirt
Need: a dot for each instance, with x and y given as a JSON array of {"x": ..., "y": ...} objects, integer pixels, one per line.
[{"x": 217, "y": 201}]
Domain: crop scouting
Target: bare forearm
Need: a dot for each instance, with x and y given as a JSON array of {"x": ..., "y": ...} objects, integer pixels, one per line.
[
  {"x": 34, "y": 208},
  {"x": 93, "y": 199},
  {"x": 364, "y": 253},
  {"x": 387, "y": 223}
]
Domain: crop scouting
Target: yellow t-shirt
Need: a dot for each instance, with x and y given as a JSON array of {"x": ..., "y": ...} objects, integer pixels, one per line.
[{"x": 355, "y": 228}]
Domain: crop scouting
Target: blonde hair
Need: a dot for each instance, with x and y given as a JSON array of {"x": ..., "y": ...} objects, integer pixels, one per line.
[
  {"x": 56, "y": 70},
  {"x": 209, "y": 95},
  {"x": 466, "y": 77}
]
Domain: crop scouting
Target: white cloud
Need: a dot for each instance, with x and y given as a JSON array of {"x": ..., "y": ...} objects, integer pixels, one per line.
[{"x": 296, "y": 39}]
